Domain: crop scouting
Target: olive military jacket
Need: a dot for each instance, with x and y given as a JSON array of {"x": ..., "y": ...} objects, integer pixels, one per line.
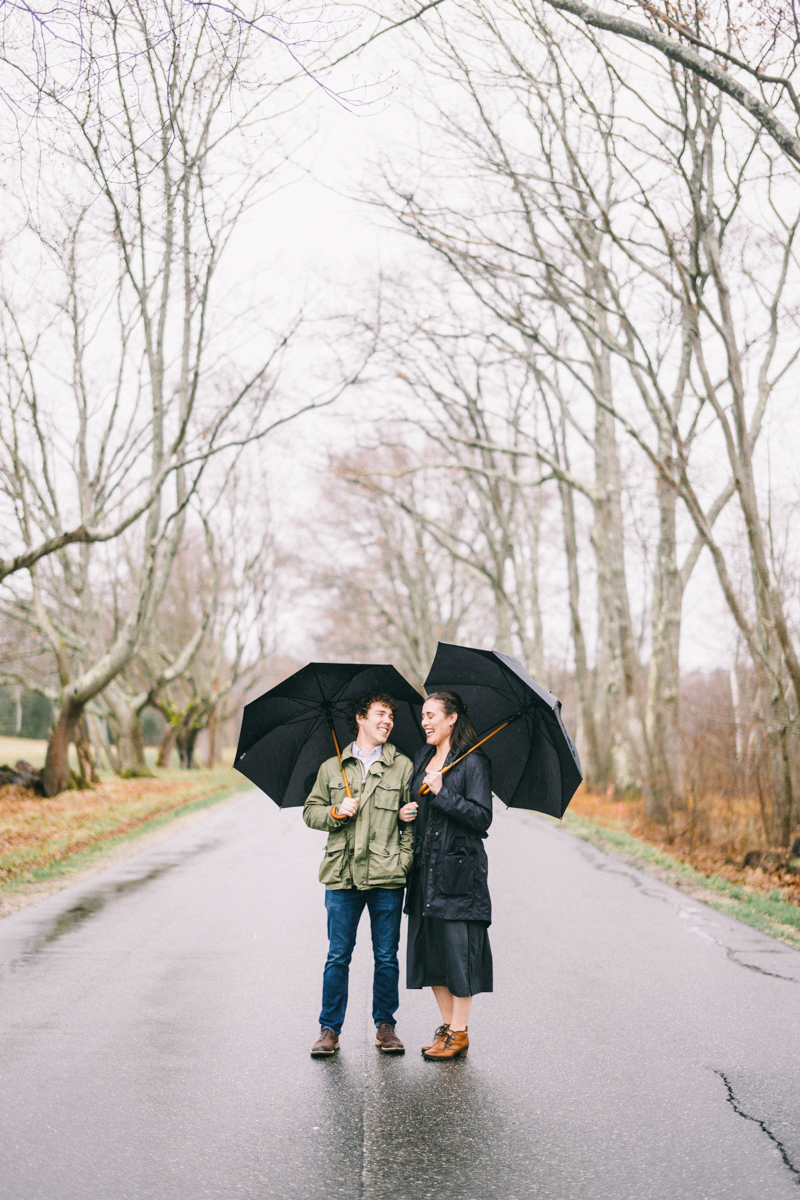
[{"x": 373, "y": 848}]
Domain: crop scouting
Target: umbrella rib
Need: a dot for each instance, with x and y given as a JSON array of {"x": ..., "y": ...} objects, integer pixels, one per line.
[
  {"x": 319, "y": 685},
  {"x": 327, "y": 705},
  {"x": 298, "y": 719}
]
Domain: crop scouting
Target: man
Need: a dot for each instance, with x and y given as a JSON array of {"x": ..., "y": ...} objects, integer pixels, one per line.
[{"x": 367, "y": 859}]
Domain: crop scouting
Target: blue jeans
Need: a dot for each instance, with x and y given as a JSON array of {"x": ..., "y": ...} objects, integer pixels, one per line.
[{"x": 344, "y": 912}]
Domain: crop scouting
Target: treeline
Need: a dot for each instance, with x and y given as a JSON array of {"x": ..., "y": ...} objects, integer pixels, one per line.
[
  {"x": 24, "y": 714},
  {"x": 138, "y": 387},
  {"x": 588, "y": 381},
  {"x": 574, "y": 395}
]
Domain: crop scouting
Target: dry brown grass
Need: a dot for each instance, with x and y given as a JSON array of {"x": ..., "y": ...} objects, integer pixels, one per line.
[
  {"x": 712, "y": 835},
  {"x": 37, "y": 833}
]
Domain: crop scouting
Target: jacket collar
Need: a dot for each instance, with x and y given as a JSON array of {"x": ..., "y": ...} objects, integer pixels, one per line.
[
  {"x": 388, "y": 754},
  {"x": 427, "y": 753}
]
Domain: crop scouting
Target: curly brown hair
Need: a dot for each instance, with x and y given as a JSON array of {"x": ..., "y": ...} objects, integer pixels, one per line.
[{"x": 363, "y": 703}]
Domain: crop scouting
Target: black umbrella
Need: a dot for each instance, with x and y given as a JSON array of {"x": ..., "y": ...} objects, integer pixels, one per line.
[
  {"x": 534, "y": 760},
  {"x": 289, "y": 731}
]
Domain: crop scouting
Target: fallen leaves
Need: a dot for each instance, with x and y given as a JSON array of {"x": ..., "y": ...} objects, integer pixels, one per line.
[
  {"x": 716, "y": 846},
  {"x": 36, "y": 832}
]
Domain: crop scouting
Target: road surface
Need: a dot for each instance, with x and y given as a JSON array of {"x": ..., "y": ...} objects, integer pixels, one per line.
[{"x": 156, "y": 1021}]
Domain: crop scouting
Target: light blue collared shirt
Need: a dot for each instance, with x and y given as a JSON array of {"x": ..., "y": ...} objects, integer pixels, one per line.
[{"x": 366, "y": 760}]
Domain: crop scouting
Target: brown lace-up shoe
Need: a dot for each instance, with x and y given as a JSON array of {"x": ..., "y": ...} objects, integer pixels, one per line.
[
  {"x": 437, "y": 1037},
  {"x": 326, "y": 1044},
  {"x": 454, "y": 1044},
  {"x": 387, "y": 1040}
]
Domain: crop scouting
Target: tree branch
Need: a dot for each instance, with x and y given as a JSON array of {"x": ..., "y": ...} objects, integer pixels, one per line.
[{"x": 688, "y": 57}]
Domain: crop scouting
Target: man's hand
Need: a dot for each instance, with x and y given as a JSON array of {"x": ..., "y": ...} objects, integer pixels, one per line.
[
  {"x": 348, "y": 806},
  {"x": 408, "y": 812},
  {"x": 434, "y": 781}
]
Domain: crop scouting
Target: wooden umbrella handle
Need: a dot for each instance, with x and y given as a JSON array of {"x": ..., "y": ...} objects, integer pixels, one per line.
[
  {"x": 341, "y": 768},
  {"x": 423, "y": 791}
]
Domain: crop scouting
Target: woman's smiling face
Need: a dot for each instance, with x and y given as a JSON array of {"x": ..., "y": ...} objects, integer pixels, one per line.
[{"x": 436, "y": 724}]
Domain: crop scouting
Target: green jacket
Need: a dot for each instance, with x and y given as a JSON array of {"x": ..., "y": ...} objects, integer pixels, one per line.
[{"x": 373, "y": 848}]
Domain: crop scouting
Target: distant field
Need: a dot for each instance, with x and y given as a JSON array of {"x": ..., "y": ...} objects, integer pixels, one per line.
[{"x": 31, "y": 749}]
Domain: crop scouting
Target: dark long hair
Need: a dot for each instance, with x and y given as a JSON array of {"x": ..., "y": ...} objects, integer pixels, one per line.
[{"x": 463, "y": 734}]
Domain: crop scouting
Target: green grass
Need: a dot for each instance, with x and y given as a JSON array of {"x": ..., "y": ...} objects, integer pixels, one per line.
[
  {"x": 770, "y": 914},
  {"x": 85, "y": 858}
]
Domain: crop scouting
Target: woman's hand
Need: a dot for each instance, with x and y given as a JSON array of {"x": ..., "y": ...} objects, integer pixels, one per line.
[
  {"x": 433, "y": 780},
  {"x": 408, "y": 812}
]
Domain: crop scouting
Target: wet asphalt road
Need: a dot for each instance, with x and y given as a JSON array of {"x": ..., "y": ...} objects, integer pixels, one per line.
[{"x": 156, "y": 1021}]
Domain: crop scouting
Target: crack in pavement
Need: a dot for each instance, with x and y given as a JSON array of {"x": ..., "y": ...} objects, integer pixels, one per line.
[
  {"x": 589, "y": 853},
  {"x": 787, "y": 1162}
]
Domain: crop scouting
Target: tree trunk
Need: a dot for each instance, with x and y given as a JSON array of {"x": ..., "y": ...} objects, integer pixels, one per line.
[
  {"x": 130, "y": 747},
  {"x": 102, "y": 746},
  {"x": 591, "y": 759},
  {"x": 211, "y": 760},
  {"x": 502, "y": 618},
  {"x": 57, "y": 776},
  {"x": 131, "y": 762},
  {"x": 777, "y": 722},
  {"x": 186, "y": 740},
  {"x": 616, "y": 668},
  {"x": 83, "y": 748},
  {"x": 664, "y": 787},
  {"x": 528, "y": 624},
  {"x": 166, "y": 745}
]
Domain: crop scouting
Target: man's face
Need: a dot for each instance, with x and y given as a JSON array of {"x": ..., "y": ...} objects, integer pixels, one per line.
[{"x": 377, "y": 724}]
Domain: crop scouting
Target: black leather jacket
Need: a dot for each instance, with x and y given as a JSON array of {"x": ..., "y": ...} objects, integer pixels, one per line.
[{"x": 455, "y": 884}]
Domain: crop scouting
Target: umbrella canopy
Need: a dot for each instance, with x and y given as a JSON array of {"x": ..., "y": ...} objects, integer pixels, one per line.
[
  {"x": 289, "y": 731},
  {"x": 534, "y": 761}
]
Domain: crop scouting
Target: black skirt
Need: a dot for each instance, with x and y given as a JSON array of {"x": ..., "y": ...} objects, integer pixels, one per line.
[{"x": 451, "y": 954}]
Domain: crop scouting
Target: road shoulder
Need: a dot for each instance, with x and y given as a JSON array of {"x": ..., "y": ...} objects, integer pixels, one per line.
[
  {"x": 17, "y": 894},
  {"x": 769, "y": 914}
]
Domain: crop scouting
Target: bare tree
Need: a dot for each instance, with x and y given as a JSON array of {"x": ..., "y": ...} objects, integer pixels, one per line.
[
  {"x": 760, "y": 42},
  {"x": 156, "y": 167},
  {"x": 233, "y": 593},
  {"x": 50, "y": 54},
  {"x": 390, "y": 588},
  {"x": 608, "y": 258}
]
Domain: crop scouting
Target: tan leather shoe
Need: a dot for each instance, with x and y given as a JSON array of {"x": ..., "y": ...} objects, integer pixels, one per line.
[
  {"x": 387, "y": 1040},
  {"x": 437, "y": 1037},
  {"x": 454, "y": 1044},
  {"x": 326, "y": 1044}
]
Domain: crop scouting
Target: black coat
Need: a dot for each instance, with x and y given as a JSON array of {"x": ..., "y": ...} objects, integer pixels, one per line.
[{"x": 455, "y": 884}]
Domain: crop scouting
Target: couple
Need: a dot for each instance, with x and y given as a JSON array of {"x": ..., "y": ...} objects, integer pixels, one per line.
[{"x": 387, "y": 835}]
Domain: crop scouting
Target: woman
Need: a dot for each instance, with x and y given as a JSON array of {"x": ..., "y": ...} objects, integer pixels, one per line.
[{"x": 448, "y": 897}]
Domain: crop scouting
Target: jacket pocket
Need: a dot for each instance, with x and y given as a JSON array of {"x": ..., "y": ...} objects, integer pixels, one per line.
[
  {"x": 456, "y": 874},
  {"x": 384, "y": 866},
  {"x": 333, "y": 863},
  {"x": 337, "y": 792},
  {"x": 387, "y": 798}
]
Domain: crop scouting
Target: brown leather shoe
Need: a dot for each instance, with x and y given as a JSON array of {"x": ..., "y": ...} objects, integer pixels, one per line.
[
  {"x": 437, "y": 1037},
  {"x": 454, "y": 1044},
  {"x": 387, "y": 1040},
  {"x": 326, "y": 1044}
]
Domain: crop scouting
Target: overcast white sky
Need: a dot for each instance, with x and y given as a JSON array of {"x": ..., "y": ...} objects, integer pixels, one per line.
[{"x": 315, "y": 243}]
